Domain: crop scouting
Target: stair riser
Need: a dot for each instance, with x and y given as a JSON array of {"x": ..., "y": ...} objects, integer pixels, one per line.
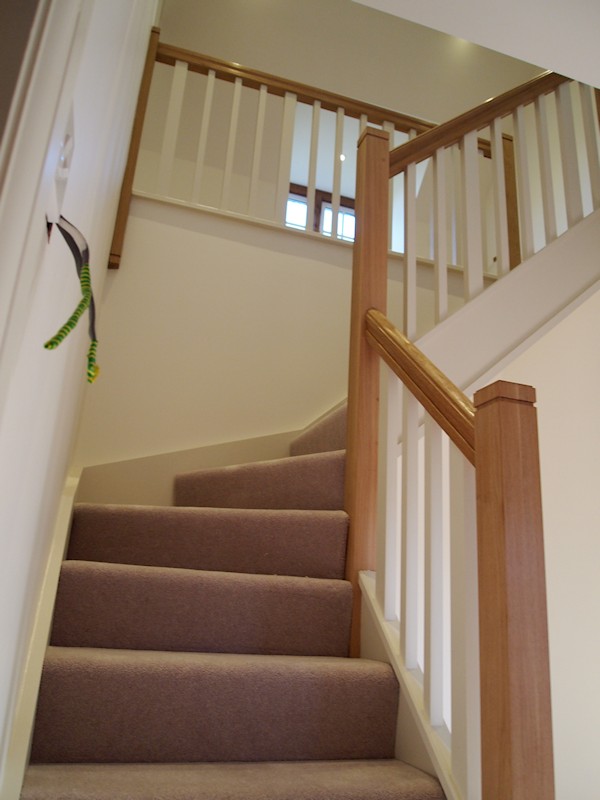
[
  {"x": 148, "y": 608},
  {"x": 315, "y": 780},
  {"x": 302, "y": 482},
  {"x": 109, "y": 707},
  {"x": 303, "y": 543}
]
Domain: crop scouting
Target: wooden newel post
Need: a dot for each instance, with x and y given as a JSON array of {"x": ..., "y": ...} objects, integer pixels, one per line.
[
  {"x": 369, "y": 289},
  {"x": 516, "y": 725}
]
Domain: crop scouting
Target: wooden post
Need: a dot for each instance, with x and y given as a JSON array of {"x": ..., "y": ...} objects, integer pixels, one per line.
[
  {"x": 369, "y": 284},
  {"x": 116, "y": 247},
  {"x": 516, "y": 725}
]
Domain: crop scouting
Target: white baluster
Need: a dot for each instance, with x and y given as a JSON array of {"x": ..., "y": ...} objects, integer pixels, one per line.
[
  {"x": 231, "y": 140},
  {"x": 363, "y": 123},
  {"x": 409, "y": 606},
  {"x": 169, "y": 143},
  {"x": 440, "y": 238},
  {"x": 471, "y": 204},
  {"x": 389, "y": 127},
  {"x": 434, "y": 573},
  {"x": 466, "y": 716},
  {"x": 541, "y": 116},
  {"x": 523, "y": 183},
  {"x": 312, "y": 166},
  {"x": 410, "y": 251},
  {"x": 393, "y": 498},
  {"x": 592, "y": 140},
  {"x": 454, "y": 201},
  {"x": 285, "y": 156},
  {"x": 337, "y": 171},
  {"x": 258, "y": 145},
  {"x": 568, "y": 151},
  {"x": 499, "y": 189},
  {"x": 206, "y": 113}
]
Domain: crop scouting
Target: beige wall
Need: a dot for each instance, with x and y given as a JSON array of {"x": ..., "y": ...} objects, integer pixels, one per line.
[
  {"x": 559, "y": 35},
  {"x": 348, "y": 48},
  {"x": 565, "y": 370},
  {"x": 216, "y": 330},
  {"x": 256, "y": 318}
]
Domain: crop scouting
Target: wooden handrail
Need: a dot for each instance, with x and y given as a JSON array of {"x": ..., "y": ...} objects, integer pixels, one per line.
[
  {"x": 229, "y": 71},
  {"x": 451, "y": 132},
  {"x": 448, "y": 406},
  {"x": 134, "y": 146}
]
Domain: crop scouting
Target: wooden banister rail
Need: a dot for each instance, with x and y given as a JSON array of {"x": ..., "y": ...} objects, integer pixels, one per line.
[
  {"x": 451, "y": 132},
  {"x": 229, "y": 71},
  {"x": 134, "y": 145},
  {"x": 448, "y": 406}
]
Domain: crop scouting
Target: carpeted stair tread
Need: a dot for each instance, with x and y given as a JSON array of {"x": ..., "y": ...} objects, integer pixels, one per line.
[
  {"x": 314, "y": 481},
  {"x": 284, "y": 542},
  {"x": 157, "y": 608},
  {"x": 316, "y": 780},
  {"x": 327, "y": 433},
  {"x": 99, "y": 705}
]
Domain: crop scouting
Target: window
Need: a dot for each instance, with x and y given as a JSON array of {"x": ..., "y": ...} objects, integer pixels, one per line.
[
  {"x": 345, "y": 223},
  {"x": 297, "y": 209},
  {"x": 295, "y": 212}
]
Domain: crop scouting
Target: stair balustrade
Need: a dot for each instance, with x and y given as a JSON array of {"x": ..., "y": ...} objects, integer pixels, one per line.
[
  {"x": 459, "y": 632},
  {"x": 212, "y": 134}
]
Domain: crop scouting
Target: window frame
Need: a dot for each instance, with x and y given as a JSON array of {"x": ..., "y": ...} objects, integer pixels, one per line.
[{"x": 321, "y": 198}]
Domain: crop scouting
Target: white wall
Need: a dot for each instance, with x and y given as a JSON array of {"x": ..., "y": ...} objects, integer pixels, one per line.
[
  {"x": 565, "y": 370},
  {"x": 88, "y": 63}
]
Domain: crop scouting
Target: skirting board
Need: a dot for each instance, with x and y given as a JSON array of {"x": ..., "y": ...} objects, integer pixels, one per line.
[{"x": 20, "y": 735}]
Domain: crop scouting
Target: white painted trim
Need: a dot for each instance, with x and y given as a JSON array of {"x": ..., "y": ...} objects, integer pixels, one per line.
[
  {"x": 565, "y": 269},
  {"x": 20, "y": 735},
  {"x": 411, "y": 689}
]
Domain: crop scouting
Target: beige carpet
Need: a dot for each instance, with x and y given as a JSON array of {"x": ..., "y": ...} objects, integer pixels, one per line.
[{"x": 200, "y": 652}]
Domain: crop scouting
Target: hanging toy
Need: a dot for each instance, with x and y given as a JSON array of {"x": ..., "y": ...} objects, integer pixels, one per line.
[{"x": 81, "y": 254}]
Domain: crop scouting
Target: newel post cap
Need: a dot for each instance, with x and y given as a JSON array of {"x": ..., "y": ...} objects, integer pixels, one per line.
[{"x": 504, "y": 390}]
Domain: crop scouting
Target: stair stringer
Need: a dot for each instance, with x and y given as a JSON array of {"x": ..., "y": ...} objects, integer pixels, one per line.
[{"x": 508, "y": 317}]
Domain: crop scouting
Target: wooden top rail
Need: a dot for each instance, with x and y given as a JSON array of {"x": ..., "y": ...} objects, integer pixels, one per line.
[
  {"x": 448, "y": 406},
  {"x": 451, "y": 132},
  {"x": 229, "y": 71}
]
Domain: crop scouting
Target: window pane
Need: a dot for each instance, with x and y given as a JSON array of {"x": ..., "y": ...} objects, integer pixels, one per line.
[
  {"x": 345, "y": 223},
  {"x": 295, "y": 213},
  {"x": 348, "y": 227}
]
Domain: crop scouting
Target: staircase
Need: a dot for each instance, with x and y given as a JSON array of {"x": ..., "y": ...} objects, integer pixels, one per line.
[{"x": 200, "y": 651}]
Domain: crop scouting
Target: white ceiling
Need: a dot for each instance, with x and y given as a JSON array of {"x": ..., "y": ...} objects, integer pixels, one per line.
[{"x": 561, "y": 35}]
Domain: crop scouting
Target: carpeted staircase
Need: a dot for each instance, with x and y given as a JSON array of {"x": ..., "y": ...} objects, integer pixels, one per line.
[{"x": 200, "y": 651}]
